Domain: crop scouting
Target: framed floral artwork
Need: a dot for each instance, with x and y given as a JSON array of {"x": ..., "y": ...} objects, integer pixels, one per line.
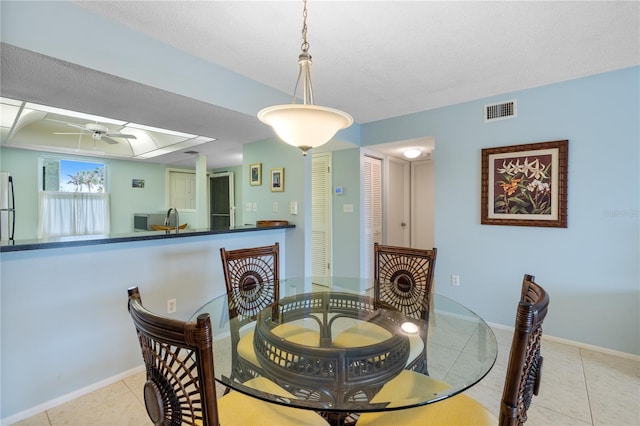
[
  {"x": 255, "y": 174},
  {"x": 525, "y": 185},
  {"x": 277, "y": 180}
]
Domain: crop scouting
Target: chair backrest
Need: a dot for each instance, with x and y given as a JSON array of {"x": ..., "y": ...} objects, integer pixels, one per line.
[
  {"x": 408, "y": 273},
  {"x": 178, "y": 357},
  {"x": 251, "y": 276},
  {"x": 525, "y": 362}
]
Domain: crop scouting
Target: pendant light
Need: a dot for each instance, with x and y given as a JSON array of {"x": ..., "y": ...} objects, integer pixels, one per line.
[{"x": 305, "y": 125}]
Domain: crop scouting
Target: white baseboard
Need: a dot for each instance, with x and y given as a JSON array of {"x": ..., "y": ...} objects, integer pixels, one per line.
[
  {"x": 69, "y": 397},
  {"x": 581, "y": 345}
]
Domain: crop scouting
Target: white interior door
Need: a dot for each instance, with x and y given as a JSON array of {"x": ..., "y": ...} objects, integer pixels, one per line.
[
  {"x": 422, "y": 210},
  {"x": 182, "y": 190},
  {"x": 397, "y": 222},
  {"x": 321, "y": 214},
  {"x": 372, "y": 211}
]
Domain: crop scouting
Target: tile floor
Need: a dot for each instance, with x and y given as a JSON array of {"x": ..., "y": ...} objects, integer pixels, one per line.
[{"x": 579, "y": 387}]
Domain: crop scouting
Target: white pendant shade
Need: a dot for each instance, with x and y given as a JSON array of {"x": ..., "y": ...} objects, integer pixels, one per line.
[{"x": 305, "y": 126}]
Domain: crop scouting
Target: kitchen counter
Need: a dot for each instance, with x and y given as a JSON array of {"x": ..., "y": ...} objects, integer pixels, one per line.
[{"x": 85, "y": 240}]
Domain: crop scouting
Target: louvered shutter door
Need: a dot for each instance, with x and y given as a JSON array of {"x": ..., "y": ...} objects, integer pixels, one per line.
[
  {"x": 321, "y": 214},
  {"x": 372, "y": 189}
]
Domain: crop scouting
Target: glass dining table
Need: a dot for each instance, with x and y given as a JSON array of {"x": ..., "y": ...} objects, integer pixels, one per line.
[{"x": 332, "y": 347}]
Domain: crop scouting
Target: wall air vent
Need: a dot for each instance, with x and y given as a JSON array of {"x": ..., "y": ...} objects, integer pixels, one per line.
[{"x": 500, "y": 111}]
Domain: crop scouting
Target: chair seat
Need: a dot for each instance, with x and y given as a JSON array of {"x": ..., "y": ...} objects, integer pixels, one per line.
[
  {"x": 366, "y": 333},
  {"x": 292, "y": 333},
  {"x": 238, "y": 409},
  {"x": 457, "y": 410}
]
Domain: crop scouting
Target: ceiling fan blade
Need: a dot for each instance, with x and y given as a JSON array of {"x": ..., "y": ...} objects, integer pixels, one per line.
[
  {"x": 77, "y": 126},
  {"x": 108, "y": 140},
  {"x": 121, "y": 135},
  {"x": 65, "y": 133}
]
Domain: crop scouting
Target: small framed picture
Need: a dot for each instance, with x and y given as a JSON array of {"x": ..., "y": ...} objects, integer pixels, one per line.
[
  {"x": 137, "y": 183},
  {"x": 255, "y": 174},
  {"x": 277, "y": 180}
]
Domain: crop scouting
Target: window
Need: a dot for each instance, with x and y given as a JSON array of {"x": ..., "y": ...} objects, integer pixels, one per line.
[
  {"x": 73, "y": 198},
  {"x": 60, "y": 175}
]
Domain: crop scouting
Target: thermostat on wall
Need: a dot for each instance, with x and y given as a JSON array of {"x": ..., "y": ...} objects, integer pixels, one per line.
[{"x": 339, "y": 190}]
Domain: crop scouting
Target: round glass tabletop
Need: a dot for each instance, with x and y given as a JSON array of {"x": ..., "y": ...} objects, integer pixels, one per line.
[{"x": 328, "y": 345}]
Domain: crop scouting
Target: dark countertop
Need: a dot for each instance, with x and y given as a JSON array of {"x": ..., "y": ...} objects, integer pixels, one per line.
[{"x": 88, "y": 240}]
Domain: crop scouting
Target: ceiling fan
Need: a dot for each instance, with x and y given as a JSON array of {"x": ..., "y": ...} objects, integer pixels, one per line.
[{"x": 99, "y": 132}]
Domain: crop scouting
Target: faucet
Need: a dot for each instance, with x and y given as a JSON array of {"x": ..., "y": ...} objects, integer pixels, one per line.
[{"x": 167, "y": 220}]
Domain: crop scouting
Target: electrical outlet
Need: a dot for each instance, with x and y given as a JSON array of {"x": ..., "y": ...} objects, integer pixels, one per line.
[
  {"x": 276, "y": 207},
  {"x": 254, "y": 207},
  {"x": 248, "y": 207},
  {"x": 455, "y": 280},
  {"x": 171, "y": 306}
]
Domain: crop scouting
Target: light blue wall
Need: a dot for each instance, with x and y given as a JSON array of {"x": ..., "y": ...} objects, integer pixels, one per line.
[
  {"x": 346, "y": 226},
  {"x": 63, "y": 312},
  {"x": 272, "y": 153},
  {"x": 591, "y": 269}
]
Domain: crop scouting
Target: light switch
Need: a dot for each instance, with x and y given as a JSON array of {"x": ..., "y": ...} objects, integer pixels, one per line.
[
  {"x": 248, "y": 207},
  {"x": 254, "y": 207},
  {"x": 293, "y": 207},
  {"x": 275, "y": 206},
  {"x": 347, "y": 208}
]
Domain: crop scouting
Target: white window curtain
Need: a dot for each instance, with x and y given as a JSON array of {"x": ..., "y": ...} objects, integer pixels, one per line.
[{"x": 73, "y": 213}]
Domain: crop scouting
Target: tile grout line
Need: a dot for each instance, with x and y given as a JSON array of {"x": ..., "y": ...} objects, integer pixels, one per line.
[{"x": 584, "y": 375}]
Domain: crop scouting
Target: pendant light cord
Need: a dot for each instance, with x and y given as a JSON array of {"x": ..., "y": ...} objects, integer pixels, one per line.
[
  {"x": 304, "y": 61},
  {"x": 305, "y": 43}
]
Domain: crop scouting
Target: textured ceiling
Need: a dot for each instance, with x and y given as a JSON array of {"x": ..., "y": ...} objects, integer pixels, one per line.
[{"x": 377, "y": 59}]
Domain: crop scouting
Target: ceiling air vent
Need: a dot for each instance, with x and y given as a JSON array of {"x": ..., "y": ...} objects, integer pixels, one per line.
[{"x": 500, "y": 111}]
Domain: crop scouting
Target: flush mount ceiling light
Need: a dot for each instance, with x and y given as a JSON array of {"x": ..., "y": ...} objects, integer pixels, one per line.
[
  {"x": 305, "y": 125},
  {"x": 412, "y": 153}
]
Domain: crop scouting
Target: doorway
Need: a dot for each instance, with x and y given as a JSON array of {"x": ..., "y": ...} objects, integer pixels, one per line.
[
  {"x": 221, "y": 200},
  {"x": 409, "y": 192}
]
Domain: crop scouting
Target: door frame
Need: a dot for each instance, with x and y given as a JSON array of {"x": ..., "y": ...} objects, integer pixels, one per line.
[{"x": 232, "y": 204}]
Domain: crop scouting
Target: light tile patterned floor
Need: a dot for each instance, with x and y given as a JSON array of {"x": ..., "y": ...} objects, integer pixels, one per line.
[{"x": 579, "y": 387}]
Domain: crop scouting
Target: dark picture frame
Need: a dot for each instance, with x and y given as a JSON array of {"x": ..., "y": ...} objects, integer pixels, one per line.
[
  {"x": 255, "y": 174},
  {"x": 277, "y": 180},
  {"x": 525, "y": 185}
]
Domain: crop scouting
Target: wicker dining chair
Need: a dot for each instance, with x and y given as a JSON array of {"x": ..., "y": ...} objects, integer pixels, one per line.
[
  {"x": 404, "y": 282},
  {"x": 522, "y": 380},
  {"x": 252, "y": 277},
  {"x": 180, "y": 385}
]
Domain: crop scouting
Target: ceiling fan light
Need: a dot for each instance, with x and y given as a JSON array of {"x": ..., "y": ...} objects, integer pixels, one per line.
[
  {"x": 412, "y": 153},
  {"x": 305, "y": 126}
]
